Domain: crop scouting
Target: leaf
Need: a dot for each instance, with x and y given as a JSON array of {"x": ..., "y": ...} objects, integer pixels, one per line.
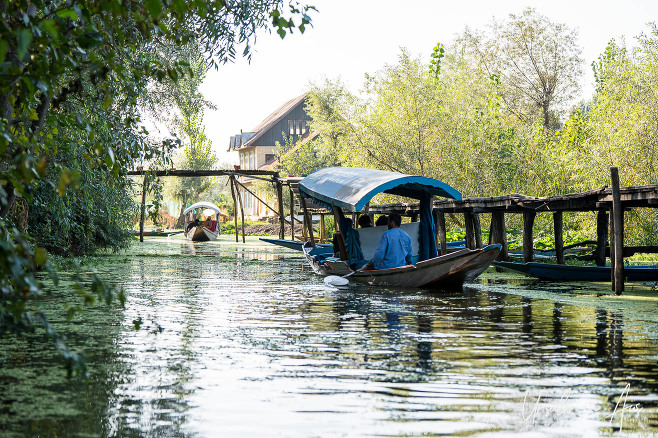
[
  {"x": 24, "y": 38},
  {"x": 3, "y": 50},
  {"x": 40, "y": 256},
  {"x": 109, "y": 159},
  {"x": 41, "y": 85},
  {"x": 67, "y": 13},
  {"x": 107, "y": 102},
  {"x": 154, "y": 8},
  {"x": 50, "y": 28}
]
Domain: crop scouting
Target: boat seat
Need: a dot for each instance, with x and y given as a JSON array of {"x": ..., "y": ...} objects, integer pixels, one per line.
[{"x": 370, "y": 237}]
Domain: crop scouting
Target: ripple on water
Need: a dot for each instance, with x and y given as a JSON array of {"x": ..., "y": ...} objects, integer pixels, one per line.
[{"x": 245, "y": 341}]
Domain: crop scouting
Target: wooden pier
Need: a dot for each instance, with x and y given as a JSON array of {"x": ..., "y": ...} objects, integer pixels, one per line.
[{"x": 608, "y": 202}]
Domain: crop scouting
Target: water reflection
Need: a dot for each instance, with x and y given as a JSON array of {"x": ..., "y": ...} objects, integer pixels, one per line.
[{"x": 244, "y": 341}]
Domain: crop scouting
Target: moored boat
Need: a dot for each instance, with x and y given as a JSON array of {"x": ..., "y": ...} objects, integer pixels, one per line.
[
  {"x": 343, "y": 189},
  {"x": 202, "y": 222},
  {"x": 552, "y": 272},
  {"x": 290, "y": 244}
]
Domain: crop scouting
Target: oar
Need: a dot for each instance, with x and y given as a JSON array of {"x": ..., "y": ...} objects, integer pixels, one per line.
[{"x": 336, "y": 281}]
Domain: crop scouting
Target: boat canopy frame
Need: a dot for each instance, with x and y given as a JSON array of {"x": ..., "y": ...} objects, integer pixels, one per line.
[
  {"x": 203, "y": 205},
  {"x": 350, "y": 189}
]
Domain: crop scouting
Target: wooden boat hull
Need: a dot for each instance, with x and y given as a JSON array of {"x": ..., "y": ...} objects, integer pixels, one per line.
[
  {"x": 447, "y": 271},
  {"x": 291, "y": 244},
  {"x": 200, "y": 234},
  {"x": 545, "y": 271},
  {"x": 158, "y": 233}
]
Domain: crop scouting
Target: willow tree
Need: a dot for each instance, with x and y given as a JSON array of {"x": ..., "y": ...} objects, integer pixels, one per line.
[
  {"x": 538, "y": 61},
  {"x": 180, "y": 107}
]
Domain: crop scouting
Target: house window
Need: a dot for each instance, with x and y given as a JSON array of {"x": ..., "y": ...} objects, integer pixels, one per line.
[
  {"x": 241, "y": 161},
  {"x": 251, "y": 160},
  {"x": 269, "y": 157},
  {"x": 297, "y": 127}
]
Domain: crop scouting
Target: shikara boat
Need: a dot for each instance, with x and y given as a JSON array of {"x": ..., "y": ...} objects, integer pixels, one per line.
[
  {"x": 551, "y": 272},
  {"x": 202, "y": 222},
  {"x": 291, "y": 244},
  {"x": 342, "y": 189},
  {"x": 157, "y": 233}
]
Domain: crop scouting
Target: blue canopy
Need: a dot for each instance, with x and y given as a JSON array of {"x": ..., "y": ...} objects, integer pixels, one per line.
[{"x": 352, "y": 188}]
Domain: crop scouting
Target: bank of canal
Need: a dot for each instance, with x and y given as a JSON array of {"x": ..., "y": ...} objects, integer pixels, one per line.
[{"x": 243, "y": 340}]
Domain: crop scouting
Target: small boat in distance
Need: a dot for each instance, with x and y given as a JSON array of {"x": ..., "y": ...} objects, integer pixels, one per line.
[
  {"x": 202, "y": 222},
  {"x": 350, "y": 189}
]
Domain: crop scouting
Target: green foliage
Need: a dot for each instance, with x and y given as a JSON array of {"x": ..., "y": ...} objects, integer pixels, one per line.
[
  {"x": 71, "y": 77},
  {"x": 435, "y": 63},
  {"x": 538, "y": 62},
  {"x": 181, "y": 107},
  {"x": 455, "y": 119}
]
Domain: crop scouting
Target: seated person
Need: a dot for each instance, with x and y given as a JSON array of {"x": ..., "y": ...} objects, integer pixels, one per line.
[
  {"x": 194, "y": 223},
  {"x": 381, "y": 220},
  {"x": 364, "y": 221},
  {"x": 394, "y": 247}
]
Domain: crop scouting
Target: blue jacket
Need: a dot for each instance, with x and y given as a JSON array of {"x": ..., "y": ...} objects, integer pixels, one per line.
[{"x": 394, "y": 250}]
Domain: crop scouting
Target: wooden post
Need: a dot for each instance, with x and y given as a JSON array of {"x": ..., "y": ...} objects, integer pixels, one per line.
[
  {"x": 477, "y": 227},
  {"x": 323, "y": 231},
  {"x": 309, "y": 221},
  {"x": 468, "y": 225},
  {"x": 558, "y": 225},
  {"x": 528, "y": 224},
  {"x": 292, "y": 214},
  {"x": 601, "y": 237},
  {"x": 498, "y": 233},
  {"x": 304, "y": 225},
  {"x": 241, "y": 214},
  {"x": 618, "y": 220},
  {"x": 341, "y": 239},
  {"x": 282, "y": 219},
  {"x": 143, "y": 210},
  {"x": 612, "y": 251},
  {"x": 235, "y": 206},
  {"x": 440, "y": 220}
]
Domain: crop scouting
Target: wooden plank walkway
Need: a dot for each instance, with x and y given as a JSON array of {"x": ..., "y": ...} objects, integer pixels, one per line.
[{"x": 593, "y": 200}]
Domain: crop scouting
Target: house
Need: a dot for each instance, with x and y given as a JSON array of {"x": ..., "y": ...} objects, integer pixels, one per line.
[{"x": 257, "y": 148}]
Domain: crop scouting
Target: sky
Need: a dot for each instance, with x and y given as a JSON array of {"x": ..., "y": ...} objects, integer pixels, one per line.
[{"x": 350, "y": 38}]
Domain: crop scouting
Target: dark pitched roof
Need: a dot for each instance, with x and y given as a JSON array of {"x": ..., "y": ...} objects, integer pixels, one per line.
[
  {"x": 273, "y": 118},
  {"x": 271, "y": 164}
]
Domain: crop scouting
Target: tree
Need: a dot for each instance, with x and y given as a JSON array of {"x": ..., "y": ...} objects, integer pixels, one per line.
[
  {"x": 539, "y": 63},
  {"x": 180, "y": 106},
  {"x": 71, "y": 73}
]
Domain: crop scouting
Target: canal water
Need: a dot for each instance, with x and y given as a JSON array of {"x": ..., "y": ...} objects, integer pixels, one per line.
[{"x": 245, "y": 341}]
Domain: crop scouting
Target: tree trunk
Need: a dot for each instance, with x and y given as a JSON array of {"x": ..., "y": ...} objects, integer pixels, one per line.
[{"x": 181, "y": 217}]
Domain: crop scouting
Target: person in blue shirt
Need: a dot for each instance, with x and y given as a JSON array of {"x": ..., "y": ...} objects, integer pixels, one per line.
[{"x": 394, "y": 247}]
